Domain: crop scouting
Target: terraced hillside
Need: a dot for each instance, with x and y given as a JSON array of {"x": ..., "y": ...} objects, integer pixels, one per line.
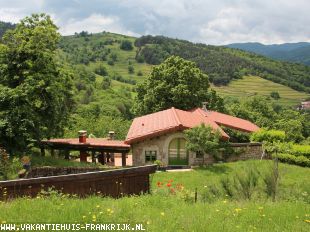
[{"x": 252, "y": 85}]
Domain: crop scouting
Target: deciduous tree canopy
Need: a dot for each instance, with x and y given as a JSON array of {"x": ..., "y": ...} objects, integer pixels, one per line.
[
  {"x": 175, "y": 83},
  {"x": 35, "y": 90}
]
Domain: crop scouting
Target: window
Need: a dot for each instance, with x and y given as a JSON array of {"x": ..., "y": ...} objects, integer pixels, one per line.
[
  {"x": 150, "y": 156},
  {"x": 199, "y": 154}
]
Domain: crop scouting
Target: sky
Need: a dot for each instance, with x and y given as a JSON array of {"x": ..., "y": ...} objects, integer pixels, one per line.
[{"x": 216, "y": 22}]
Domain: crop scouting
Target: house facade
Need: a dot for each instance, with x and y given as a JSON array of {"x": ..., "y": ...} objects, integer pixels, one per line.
[{"x": 160, "y": 136}]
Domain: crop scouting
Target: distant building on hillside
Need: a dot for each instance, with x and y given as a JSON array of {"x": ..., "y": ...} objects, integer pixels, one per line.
[{"x": 305, "y": 105}]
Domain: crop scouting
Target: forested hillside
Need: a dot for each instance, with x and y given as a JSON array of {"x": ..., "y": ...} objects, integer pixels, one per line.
[
  {"x": 4, "y": 27},
  {"x": 293, "y": 52},
  {"x": 224, "y": 64}
]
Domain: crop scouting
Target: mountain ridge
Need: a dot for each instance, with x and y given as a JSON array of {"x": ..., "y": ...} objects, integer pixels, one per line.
[{"x": 298, "y": 52}]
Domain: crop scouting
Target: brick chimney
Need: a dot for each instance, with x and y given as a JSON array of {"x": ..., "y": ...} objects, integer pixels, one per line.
[
  {"x": 82, "y": 136},
  {"x": 205, "y": 106},
  {"x": 111, "y": 135}
]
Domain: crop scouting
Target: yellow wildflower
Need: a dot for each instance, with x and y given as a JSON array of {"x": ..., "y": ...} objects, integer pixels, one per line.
[
  {"x": 225, "y": 202},
  {"x": 148, "y": 222},
  {"x": 308, "y": 221},
  {"x": 84, "y": 216},
  {"x": 97, "y": 206},
  {"x": 162, "y": 214},
  {"x": 238, "y": 210},
  {"x": 217, "y": 210}
]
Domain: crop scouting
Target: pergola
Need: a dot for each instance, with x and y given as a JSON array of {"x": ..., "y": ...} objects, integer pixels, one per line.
[{"x": 102, "y": 146}]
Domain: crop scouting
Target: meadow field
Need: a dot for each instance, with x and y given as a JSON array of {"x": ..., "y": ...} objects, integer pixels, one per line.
[{"x": 171, "y": 205}]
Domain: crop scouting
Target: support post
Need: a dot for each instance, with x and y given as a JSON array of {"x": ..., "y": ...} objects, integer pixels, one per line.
[
  {"x": 67, "y": 154},
  {"x": 93, "y": 157},
  {"x": 42, "y": 151},
  {"x": 83, "y": 156},
  {"x": 52, "y": 152},
  {"x": 123, "y": 159},
  {"x": 101, "y": 158}
]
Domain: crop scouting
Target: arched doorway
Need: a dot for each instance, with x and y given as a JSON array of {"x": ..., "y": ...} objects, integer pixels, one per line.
[{"x": 178, "y": 155}]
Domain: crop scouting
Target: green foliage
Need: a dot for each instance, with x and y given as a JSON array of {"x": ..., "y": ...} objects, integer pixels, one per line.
[
  {"x": 4, "y": 26},
  {"x": 246, "y": 181},
  {"x": 175, "y": 83},
  {"x": 271, "y": 179},
  {"x": 300, "y": 150},
  {"x": 292, "y": 159},
  {"x": 101, "y": 70},
  {"x": 36, "y": 90},
  {"x": 203, "y": 139},
  {"x": 270, "y": 136},
  {"x": 226, "y": 63},
  {"x": 131, "y": 69},
  {"x": 106, "y": 83},
  {"x": 257, "y": 109},
  {"x": 126, "y": 45},
  {"x": 275, "y": 95}
]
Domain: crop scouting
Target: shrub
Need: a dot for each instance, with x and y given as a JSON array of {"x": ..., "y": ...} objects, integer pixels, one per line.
[
  {"x": 292, "y": 159},
  {"x": 139, "y": 73},
  {"x": 131, "y": 69},
  {"x": 101, "y": 70},
  {"x": 300, "y": 150},
  {"x": 110, "y": 62},
  {"x": 271, "y": 180},
  {"x": 270, "y": 136},
  {"x": 245, "y": 182},
  {"x": 126, "y": 45}
]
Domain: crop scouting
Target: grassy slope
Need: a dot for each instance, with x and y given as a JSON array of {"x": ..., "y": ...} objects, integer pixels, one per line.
[
  {"x": 170, "y": 213},
  {"x": 251, "y": 85},
  {"x": 238, "y": 88}
]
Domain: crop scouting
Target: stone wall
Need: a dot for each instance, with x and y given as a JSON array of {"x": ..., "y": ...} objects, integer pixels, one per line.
[{"x": 160, "y": 144}]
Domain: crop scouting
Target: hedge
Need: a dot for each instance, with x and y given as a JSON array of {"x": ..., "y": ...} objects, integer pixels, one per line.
[
  {"x": 292, "y": 159},
  {"x": 300, "y": 150}
]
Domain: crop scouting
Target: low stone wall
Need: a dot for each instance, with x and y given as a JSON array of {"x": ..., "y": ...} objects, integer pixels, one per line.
[
  {"x": 241, "y": 151},
  {"x": 56, "y": 171}
]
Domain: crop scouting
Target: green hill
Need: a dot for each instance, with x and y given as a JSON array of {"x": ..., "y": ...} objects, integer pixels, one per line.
[
  {"x": 103, "y": 50},
  {"x": 292, "y": 52}
]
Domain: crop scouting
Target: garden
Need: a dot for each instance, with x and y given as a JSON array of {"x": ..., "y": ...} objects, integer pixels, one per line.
[{"x": 240, "y": 196}]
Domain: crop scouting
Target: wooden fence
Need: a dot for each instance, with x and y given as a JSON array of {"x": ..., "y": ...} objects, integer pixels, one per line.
[{"x": 113, "y": 183}]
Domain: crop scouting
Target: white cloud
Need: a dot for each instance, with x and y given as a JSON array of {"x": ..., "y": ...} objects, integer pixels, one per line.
[
  {"x": 94, "y": 23},
  {"x": 207, "y": 21},
  {"x": 11, "y": 15}
]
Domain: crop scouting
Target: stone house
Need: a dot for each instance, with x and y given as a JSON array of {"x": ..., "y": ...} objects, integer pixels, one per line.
[{"x": 159, "y": 136}]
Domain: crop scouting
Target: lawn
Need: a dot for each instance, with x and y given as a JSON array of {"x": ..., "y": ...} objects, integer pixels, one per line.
[{"x": 164, "y": 210}]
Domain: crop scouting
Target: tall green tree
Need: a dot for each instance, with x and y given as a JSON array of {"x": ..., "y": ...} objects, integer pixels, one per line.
[
  {"x": 35, "y": 89},
  {"x": 174, "y": 83}
]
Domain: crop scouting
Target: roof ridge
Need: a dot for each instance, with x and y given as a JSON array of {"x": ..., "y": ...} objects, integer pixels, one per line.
[{"x": 176, "y": 116}]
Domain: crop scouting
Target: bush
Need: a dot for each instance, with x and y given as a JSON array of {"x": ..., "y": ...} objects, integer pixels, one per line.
[
  {"x": 292, "y": 159},
  {"x": 101, "y": 70},
  {"x": 131, "y": 69},
  {"x": 126, "y": 45},
  {"x": 300, "y": 150},
  {"x": 275, "y": 95},
  {"x": 270, "y": 136}
]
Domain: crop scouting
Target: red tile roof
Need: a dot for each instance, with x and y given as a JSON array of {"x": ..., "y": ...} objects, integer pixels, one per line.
[
  {"x": 172, "y": 120},
  {"x": 228, "y": 120},
  {"x": 93, "y": 142}
]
